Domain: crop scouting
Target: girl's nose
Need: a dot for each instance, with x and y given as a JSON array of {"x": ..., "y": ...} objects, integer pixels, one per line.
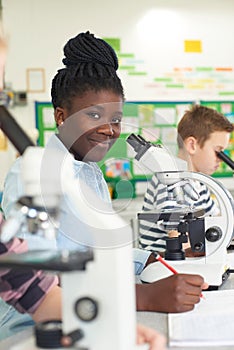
[{"x": 106, "y": 129}]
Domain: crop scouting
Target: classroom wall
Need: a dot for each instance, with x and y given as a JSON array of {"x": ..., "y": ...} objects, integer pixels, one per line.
[{"x": 38, "y": 30}]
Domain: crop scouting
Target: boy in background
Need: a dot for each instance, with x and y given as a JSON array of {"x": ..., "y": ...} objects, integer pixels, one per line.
[{"x": 201, "y": 133}]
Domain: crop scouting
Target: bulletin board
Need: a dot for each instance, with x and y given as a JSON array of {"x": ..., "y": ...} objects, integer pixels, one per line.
[{"x": 155, "y": 121}]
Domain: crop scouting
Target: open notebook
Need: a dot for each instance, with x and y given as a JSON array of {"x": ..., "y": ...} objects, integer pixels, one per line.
[{"x": 210, "y": 323}]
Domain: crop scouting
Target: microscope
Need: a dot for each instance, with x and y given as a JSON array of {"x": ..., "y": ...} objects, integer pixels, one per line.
[
  {"x": 98, "y": 284},
  {"x": 209, "y": 236}
]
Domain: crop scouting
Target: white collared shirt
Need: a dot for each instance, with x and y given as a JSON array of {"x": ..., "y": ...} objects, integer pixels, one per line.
[{"x": 71, "y": 233}]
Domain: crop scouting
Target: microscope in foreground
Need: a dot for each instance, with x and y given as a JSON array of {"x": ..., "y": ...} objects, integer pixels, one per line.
[
  {"x": 98, "y": 283},
  {"x": 209, "y": 236}
]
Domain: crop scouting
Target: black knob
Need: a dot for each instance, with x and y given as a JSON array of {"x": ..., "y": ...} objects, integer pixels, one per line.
[
  {"x": 86, "y": 309},
  {"x": 48, "y": 334},
  {"x": 198, "y": 247},
  {"x": 213, "y": 234}
]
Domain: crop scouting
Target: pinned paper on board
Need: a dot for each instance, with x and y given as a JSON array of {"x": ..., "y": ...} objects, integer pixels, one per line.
[
  {"x": 181, "y": 109},
  {"x": 48, "y": 117},
  {"x": 118, "y": 168},
  {"x": 193, "y": 46},
  {"x": 146, "y": 113},
  {"x": 168, "y": 135},
  {"x": 164, "y": 115},
  {"x": 129, "y": 124},
  {"x": 226, "y": 108},
  {"x": 35, "y": 79},
  {"x": 151, "y": 134}
]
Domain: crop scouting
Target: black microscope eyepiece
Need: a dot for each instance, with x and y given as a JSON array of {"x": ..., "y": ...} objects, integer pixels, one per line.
[{"x": 221, "y": 155}]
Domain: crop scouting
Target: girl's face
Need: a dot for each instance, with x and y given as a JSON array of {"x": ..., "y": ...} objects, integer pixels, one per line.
[
  {"x": 91, "y": 125},
  {"x": 204, "y": 159}
]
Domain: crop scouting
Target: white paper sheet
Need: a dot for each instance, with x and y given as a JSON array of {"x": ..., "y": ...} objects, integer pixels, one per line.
[{"x": 211, "y": 323}]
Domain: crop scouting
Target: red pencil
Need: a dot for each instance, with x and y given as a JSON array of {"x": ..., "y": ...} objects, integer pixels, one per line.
[{"x": 161, "y": 260}]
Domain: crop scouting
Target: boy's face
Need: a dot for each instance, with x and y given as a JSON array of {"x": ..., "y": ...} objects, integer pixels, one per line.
[
  {"x": 92, "y": 124},
  {"x": 204, "y": 159}
]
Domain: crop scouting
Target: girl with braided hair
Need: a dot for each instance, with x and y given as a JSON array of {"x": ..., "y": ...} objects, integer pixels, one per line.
[
  {"x": 38, "y": 293},
  {"x": 88, "y": 97}
]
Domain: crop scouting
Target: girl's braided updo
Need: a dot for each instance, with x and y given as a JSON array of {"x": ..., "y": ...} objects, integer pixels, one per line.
[{"x": 91, "y": 64}]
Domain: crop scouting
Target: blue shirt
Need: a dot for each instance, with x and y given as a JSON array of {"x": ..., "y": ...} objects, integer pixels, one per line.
[{"x": 72, "y": 232}]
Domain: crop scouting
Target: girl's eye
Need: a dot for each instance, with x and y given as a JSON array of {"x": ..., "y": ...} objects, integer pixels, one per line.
[
  {"x": 94, "y": 115},
  {"x": 117, "y": 120}
]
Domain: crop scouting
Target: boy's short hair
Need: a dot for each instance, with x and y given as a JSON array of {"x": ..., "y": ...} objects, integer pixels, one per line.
[{"x": 200, "y": 122}]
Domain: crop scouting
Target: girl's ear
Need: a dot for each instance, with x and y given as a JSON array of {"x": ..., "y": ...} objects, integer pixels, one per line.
[
  {"x": 59, "y": 116},
  {"x": 190, "y": 144}
]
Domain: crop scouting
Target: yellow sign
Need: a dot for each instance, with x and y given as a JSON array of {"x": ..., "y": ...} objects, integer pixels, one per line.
[{"x": 192, "y": 46}]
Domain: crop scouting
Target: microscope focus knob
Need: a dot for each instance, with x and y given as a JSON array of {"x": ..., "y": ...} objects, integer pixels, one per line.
[
  {"x": 49, "y": 335},
  {"x": 213, "y": 234},
  {"x": 86, "y": 309}
]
